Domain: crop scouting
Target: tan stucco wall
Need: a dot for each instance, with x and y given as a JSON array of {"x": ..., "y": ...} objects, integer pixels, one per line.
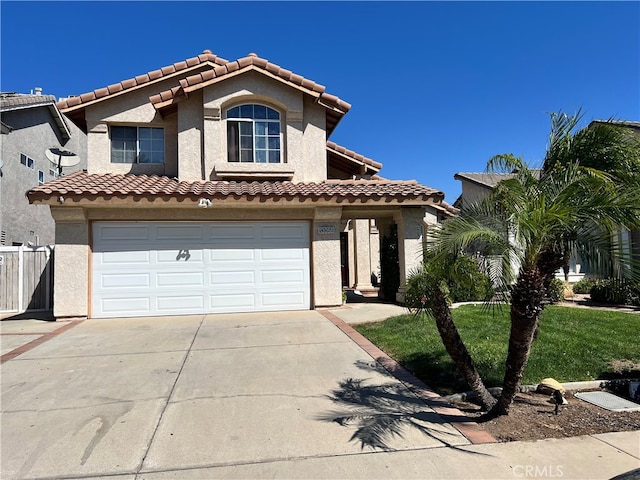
[
  {"x": 190, "y": 135},
  {"x": 195, "y": 137},
  {"x": 304, "y": 138},
  {"x": 325, "y": 265},
  {"x": 410, "y": 235},
  {"x": 71, "y": 279},
  {"x": 132, "y": 108}
]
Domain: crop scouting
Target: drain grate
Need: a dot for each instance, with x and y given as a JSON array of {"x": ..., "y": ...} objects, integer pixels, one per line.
[{"x": 608, "y": 401}]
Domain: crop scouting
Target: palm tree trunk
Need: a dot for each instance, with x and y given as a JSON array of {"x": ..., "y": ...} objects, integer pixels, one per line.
[
  {"x": 457, "y": 350},
  {"x": 526, "y": 307}
]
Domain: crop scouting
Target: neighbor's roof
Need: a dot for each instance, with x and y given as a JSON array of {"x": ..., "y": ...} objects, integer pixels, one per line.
[
  {"x": 209, "y": 69},
  {"x": 625, "y": 123},
  {"x": 489, "y": 180},
  {"x": 19, "y": 101},
  {"x": 81, "y": 186}
]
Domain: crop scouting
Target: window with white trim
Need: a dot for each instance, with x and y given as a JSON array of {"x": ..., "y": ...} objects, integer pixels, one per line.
[
  {"x": 27, "y": 161},
  {"x": 254, "y": 134},
  {"x": 137, "y": 145},
  {"x": 40, "y": 177}
]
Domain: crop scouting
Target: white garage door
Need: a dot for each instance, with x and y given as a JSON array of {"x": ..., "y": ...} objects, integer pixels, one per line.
[{"x": 170, "y": 268}]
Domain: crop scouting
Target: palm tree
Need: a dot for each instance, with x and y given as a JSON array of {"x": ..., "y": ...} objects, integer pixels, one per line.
[{"x": 529, "y": 222}]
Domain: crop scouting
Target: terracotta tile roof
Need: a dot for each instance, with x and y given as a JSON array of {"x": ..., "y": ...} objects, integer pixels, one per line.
[
  {"x": 79, "y": 101},
  {"x": 220, "y": 68},
  {"x": 450, "y": 209},
  {"x": 353, "y": 155},
  {"x": 83, "y": 186},
  {"x": 250, "y": 62}
]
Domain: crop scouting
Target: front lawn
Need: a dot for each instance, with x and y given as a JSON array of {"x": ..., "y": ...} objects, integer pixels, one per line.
[{"x": 573, "y": 345}]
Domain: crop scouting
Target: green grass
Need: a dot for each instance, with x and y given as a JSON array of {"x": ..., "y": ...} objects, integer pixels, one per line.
[{"x": 573, "y": 345}]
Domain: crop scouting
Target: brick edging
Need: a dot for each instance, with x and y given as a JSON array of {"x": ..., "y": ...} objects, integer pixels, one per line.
[
  {"x": 34, "y": 343},
  {"x": 470, "y": 429}
]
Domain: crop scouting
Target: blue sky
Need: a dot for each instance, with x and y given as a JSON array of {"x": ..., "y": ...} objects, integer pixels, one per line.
[{"x": 436, "y": 88}]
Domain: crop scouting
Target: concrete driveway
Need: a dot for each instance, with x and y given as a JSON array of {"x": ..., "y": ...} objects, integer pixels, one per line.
[
  {"x": 275, "y": 395},
  {"x": 167, "y": 395}
]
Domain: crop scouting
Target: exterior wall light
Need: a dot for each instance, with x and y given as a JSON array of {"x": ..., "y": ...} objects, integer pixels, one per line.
[{"x": 204, "y": 203}]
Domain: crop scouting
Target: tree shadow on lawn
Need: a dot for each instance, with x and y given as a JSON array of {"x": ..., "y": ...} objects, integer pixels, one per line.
[
  {"x": 383, "y": 412},
  {"x": 438, "y": 370}
]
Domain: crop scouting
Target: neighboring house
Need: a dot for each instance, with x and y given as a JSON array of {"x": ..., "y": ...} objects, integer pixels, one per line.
[
  {"x": 30, "y": 124},
  {"x": 631, "y": 239},
  {"x": 211, "y": 187},
  {"x": 476, "y": 186}
]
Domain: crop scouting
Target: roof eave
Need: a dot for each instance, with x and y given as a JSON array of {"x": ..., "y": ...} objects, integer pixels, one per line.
[{"x": 230, "y": 201}]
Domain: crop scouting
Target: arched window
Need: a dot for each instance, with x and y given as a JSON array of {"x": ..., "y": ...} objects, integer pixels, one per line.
[{"x": 254, "y": 134}]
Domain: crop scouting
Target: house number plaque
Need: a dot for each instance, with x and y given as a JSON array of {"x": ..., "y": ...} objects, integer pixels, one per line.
[{"x": 326, "y": 229}]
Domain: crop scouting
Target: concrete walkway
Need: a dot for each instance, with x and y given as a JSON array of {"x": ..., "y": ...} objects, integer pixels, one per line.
[{"x": 282, "y": 395}]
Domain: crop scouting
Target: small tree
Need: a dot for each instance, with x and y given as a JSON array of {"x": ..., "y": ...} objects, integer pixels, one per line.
[{"x": 530, "y": 221}]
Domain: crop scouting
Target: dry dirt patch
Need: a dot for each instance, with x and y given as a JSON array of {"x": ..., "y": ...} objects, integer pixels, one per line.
[{"x": 531, "y": 417}]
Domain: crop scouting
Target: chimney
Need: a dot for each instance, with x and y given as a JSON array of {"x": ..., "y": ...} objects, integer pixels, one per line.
[{"x": 38, "y": 91}]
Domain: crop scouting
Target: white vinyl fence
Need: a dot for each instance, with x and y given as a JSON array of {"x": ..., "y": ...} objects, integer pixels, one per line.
[{"x": 26, "y": 279}]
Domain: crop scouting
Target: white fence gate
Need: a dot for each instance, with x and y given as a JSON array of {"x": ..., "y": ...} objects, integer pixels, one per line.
[{"x": 26, "y": 279}]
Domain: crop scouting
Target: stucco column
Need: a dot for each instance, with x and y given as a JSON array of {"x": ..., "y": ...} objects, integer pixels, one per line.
[
  {"x": 410, "y": 234},
  {"x": 362, "y": 254},
  {"x": 327, "y": 281},
  {"x": 71, "y": 263},
  {"x": 191, "y": 154}
]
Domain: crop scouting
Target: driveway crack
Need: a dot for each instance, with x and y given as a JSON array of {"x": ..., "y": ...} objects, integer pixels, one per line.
[{"x": 173, "y": 387}]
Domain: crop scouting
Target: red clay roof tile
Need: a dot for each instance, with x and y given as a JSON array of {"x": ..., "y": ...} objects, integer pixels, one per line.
[
  {"x": 350, "y": 153},
  {"x": 205, "y": 57},
  {"x": 83, "y": 186}
]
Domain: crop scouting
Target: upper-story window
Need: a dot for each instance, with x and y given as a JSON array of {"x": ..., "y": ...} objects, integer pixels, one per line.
[
  {"x": 137, "y": 145},
  {"x": 254, "y": 134},
  {"x": 27, "y": 161}
]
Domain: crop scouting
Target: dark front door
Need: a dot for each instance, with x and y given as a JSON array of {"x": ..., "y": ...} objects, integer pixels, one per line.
[{"x": 344, "y": 258}]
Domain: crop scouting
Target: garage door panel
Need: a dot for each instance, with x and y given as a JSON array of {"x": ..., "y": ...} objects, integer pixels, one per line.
[
  {"x": 231, "y": 302},
  {"x": 186, "y": 255},
  {"x": 180, "y": 279},
  {"x": 119, "y": 280},
  {"x": 271, "y": 254},
  {"x": 283, "y": 231},
  {"x": 180, "y": 303},
  {"x": 116, "y": 307},
  {"x": 182, "y": 233},
  {"x": 125, "y": 233},
  {"x": 232, "y": 254},
  {"x": 126, "y": 257},
  {"x": 281, "y": 300},
  {"x": 237, "y": 232},
  {"x": 282, "y": 276},
  {"x": 199, "y": 267},
  {"x": 233, "y": 279}
]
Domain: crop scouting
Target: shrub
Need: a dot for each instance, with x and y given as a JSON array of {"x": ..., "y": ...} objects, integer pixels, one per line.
[
  {"x": 616, "y": 292},
  {"x": 555, "y": 291},
  {"x": 469, "y": 283},
  {"x": 584, "y": 286},
  {"x": 466, "y": 283}
]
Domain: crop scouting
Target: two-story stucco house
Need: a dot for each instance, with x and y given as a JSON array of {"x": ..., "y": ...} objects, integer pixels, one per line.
[
  {"x": 211, "y": 186},
  {"x": 31, "y": 124}
]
